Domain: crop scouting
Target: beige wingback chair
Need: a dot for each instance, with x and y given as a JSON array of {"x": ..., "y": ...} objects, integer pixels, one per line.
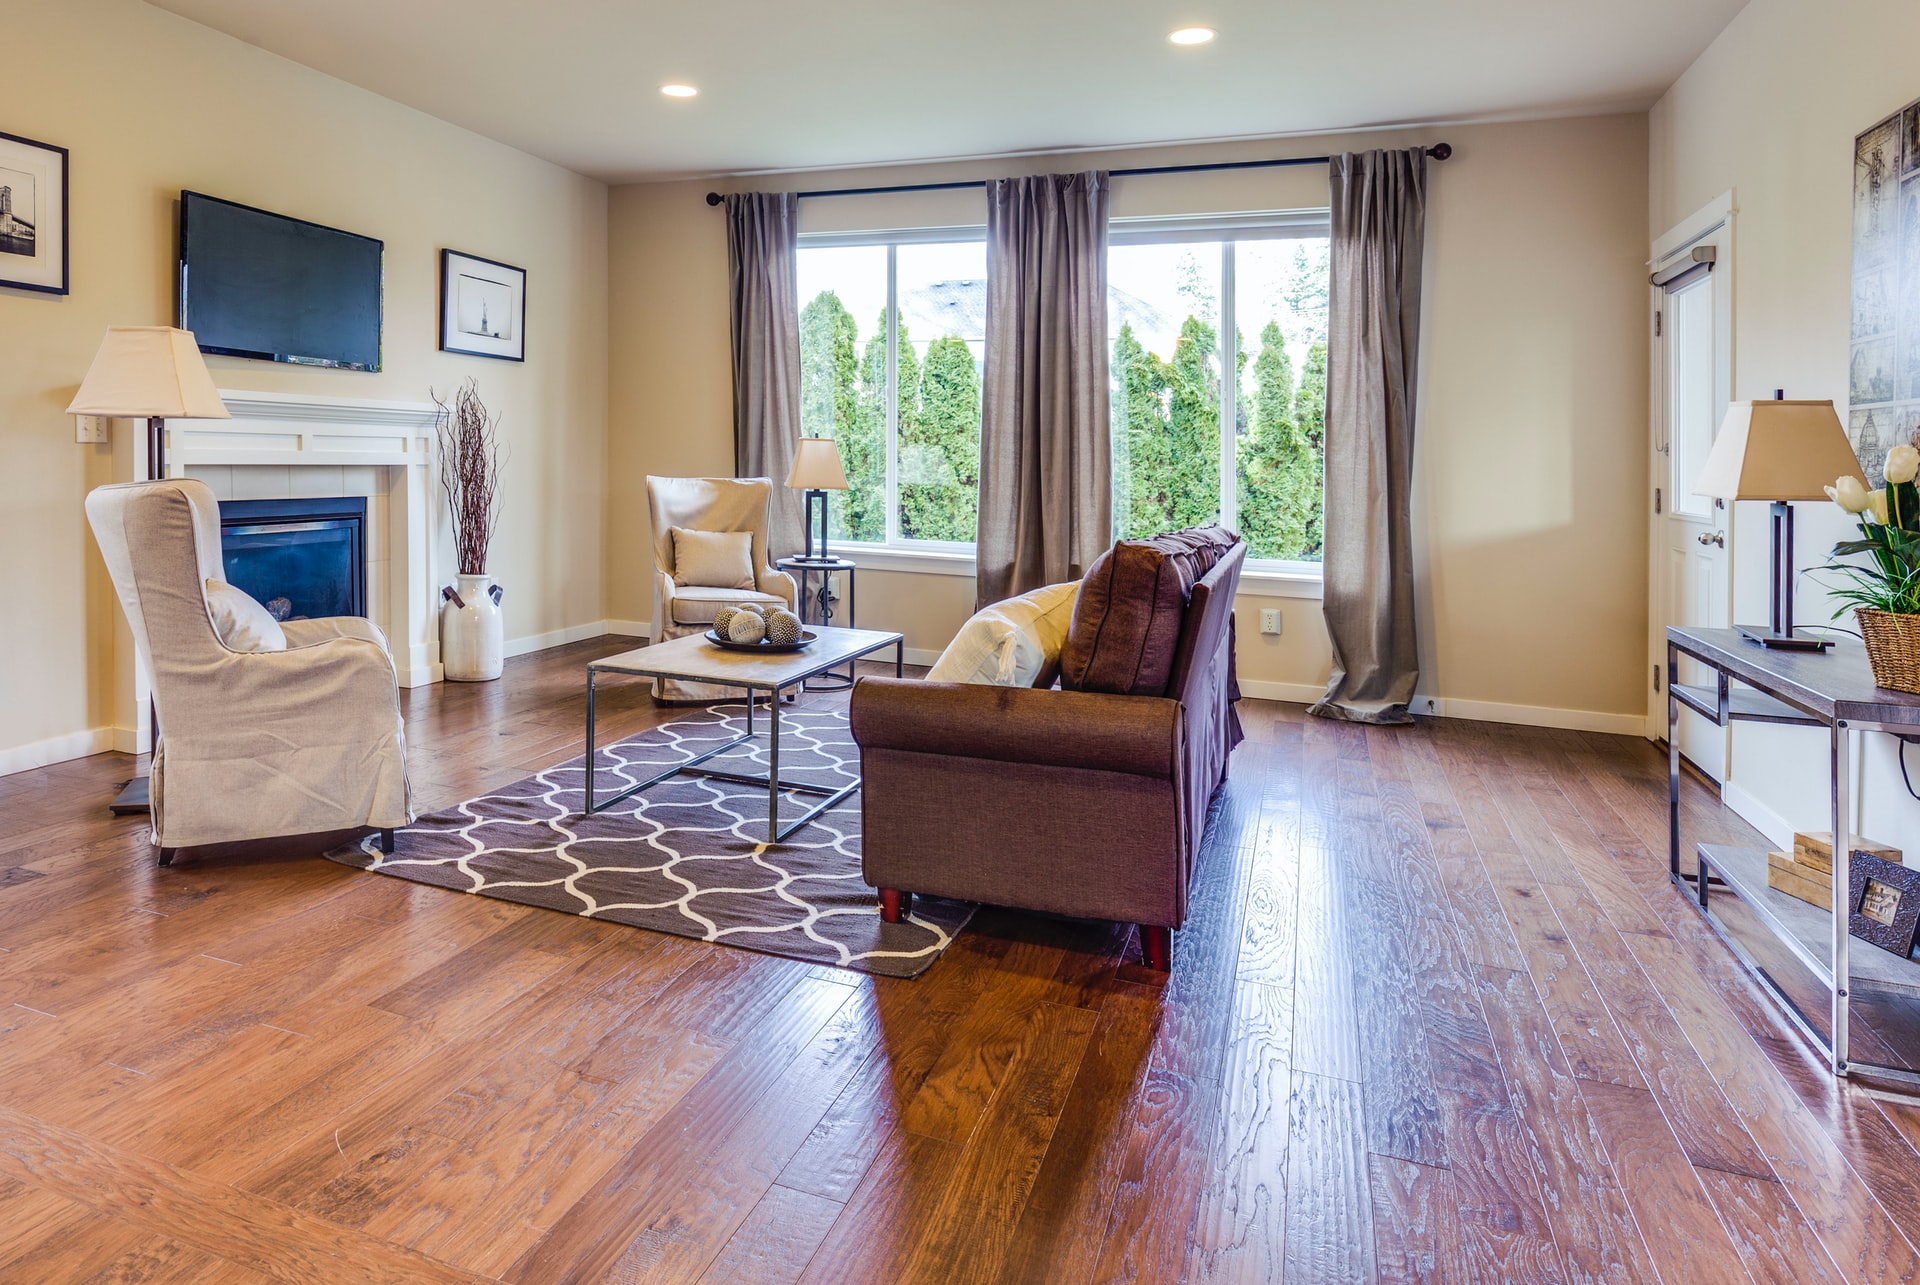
[
  {"x": 708, "y": 504},
  {"x": 252, "y": 744}
]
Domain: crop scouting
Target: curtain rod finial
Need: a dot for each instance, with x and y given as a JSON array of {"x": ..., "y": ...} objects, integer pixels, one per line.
[
  {"x": 714, "y": 198},
  {"x": 1439, "y": 151}
]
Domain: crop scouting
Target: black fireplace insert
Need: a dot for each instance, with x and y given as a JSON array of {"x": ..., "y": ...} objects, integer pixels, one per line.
[{"x": 301, "y": 559}]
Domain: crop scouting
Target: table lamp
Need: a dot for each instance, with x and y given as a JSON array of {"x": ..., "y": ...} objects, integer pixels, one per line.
[
  {"x": 816, "y": 470},
  {"x": 1779, "y": 451},
  {"x": 153, "y": 373}
]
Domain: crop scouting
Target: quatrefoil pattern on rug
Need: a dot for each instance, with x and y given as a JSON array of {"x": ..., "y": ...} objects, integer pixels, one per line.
[{"x": 687, "y": 856}]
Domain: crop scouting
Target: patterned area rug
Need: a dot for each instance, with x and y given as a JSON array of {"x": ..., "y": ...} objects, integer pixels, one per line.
[{"x": 689, "y": 855}]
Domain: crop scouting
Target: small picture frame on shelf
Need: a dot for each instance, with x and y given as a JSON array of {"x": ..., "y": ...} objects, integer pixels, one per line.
[
  {"x": 483, "y": 307},
  {"x": 33, "y": 215},
  {"x": 1883, "y": 902}
]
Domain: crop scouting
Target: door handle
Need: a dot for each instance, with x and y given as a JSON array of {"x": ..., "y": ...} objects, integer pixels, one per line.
[{"x": 1717, "y": 538}]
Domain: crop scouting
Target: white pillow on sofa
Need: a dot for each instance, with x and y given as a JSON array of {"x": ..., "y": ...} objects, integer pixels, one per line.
[
  {"x": 713, "y": 559},
  {"x": 1015, "y": 643},
  {"x": 242, "y": 623}
]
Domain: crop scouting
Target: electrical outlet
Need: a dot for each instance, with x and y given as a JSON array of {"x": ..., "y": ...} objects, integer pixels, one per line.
[
  {"x": 1270, "y": 620},
  {"x": 90, "y": 428}
]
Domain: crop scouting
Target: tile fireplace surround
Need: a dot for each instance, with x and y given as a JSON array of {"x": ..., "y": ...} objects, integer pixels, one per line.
[{"x": 289, "y": 446}]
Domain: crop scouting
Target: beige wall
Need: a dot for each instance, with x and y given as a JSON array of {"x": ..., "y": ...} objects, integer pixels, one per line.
[
  {"x": 1769, "y": 112},
  {"x": 148, "y": 104},
  {"x": 1532, "y": 408}
]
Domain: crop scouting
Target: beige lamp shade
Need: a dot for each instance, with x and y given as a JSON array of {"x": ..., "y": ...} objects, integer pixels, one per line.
[
  {"x": 1777, "y": 450},
  {"x": 816, "y": 466},
  {"x": 144, "y": 372}
]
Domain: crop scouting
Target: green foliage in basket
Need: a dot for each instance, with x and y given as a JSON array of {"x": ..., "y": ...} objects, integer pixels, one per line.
[{"x": 1889, "y": 535}]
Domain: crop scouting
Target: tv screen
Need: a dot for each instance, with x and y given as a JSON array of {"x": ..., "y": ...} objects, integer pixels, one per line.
[{"x": 256, "y": 284}]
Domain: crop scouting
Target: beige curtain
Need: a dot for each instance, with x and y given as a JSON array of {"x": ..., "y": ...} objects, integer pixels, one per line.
[
  {"x": 1046, "y": 463},
  {"x": 1373, "y": 342},
  {"x": 765, "y": 312}
]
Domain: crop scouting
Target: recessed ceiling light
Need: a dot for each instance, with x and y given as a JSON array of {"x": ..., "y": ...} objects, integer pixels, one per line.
[
  {"x": 1193, "y": 35},
  {"x": 678, "y": 91}
]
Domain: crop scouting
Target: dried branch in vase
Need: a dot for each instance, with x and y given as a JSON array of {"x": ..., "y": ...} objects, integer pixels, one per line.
[{"x": 471, "y": 456}]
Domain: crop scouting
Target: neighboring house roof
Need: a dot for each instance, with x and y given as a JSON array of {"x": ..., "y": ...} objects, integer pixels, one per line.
[{"x": 960, "y": 308}]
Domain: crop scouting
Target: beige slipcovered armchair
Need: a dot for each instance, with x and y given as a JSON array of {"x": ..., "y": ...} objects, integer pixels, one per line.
[
  {"x": 708, "y": 504},
  {"x": 252, "y": 744}
]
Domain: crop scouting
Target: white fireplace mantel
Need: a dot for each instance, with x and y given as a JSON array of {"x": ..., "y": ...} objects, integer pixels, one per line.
[{"x": 295, "y": 430}]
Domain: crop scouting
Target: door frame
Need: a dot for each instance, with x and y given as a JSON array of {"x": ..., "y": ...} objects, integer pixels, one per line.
[{"x": 1714, "y": 224}]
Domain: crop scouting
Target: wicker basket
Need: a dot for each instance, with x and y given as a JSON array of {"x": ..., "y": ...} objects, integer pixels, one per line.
[{"x": 1893, "y": 648}]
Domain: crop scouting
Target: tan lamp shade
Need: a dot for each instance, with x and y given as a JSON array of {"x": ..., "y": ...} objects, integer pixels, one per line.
[
  {"x": 1777, "y": 450},
  {"x": 146, "y": 372},
  {"x": 816, "y": 466}
]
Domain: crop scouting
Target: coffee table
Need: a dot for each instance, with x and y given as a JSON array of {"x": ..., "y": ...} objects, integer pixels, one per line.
[{"x": 694, "y": 659}]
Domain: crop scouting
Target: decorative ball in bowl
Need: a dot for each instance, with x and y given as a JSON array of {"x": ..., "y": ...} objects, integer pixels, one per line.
[{"x": 759, "y": 627}]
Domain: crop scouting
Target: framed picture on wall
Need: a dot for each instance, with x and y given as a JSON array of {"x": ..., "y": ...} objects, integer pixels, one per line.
[
  {"x": 33, "y": 215},
  {"x": 483, "y": 307}
]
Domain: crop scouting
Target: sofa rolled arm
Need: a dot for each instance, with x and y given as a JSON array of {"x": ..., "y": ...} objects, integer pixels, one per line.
[{"x": 1138, "y": 735}]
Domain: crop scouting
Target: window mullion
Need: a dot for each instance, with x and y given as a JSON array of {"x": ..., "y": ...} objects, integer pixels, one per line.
[
  {"x": 1229, "y": 393},
  {"x": 893, "y": 395}
]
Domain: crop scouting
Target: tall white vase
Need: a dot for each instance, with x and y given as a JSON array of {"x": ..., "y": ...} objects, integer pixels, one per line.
[{"x": 472, "y": 633}]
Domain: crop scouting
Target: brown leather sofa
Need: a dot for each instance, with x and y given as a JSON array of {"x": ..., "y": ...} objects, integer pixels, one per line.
[{"x": 1083, "y": 803}]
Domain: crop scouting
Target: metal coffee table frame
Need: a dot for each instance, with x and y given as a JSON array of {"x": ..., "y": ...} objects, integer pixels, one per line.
[{"x": 771, "y": 781}]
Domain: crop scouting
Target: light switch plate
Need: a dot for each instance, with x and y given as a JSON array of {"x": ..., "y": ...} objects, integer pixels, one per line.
[
  {"x": 1270, "y": 620},
  {"x": 89, "y": 428}
]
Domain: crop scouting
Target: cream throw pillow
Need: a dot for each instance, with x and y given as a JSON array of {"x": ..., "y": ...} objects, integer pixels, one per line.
[
  {"x": 242, "y": 623},
  {"x": 1015, "y": 643},
  {"x": 713, "y": 559}
]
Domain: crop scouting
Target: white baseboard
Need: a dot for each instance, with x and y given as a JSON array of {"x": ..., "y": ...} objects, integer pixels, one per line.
[
  {"x": 629, "y": 628},
  {"x": 58, "y": 749},
  {"x": 1758, "y": 815},
  {"x": 1578, "y": 720},
  {"x": 555, "y": 638},
  {"x": 1295, "y": 693}
]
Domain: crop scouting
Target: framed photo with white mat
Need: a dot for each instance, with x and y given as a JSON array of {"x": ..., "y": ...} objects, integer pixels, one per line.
[
  {"x": 33, "y": 215},
  {"x": 483, "y": 307}
]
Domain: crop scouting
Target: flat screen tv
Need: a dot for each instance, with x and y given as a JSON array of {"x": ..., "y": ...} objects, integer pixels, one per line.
[{"x": 257, "y": 284}]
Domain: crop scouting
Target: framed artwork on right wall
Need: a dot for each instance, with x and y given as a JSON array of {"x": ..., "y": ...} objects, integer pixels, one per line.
[
  {"x": 483, "y": 307},
  {"x": 1883, "y": 383}
]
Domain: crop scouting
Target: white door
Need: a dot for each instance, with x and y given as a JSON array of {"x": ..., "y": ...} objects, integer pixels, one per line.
[{"x": 1690, "y": 534}]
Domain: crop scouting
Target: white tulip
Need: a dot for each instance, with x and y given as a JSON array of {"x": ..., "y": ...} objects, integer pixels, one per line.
[
  {"x": 1902, "y": 463},
  {"x": 1850, "y": 493},
  {"x": 1877, "y": 505}
]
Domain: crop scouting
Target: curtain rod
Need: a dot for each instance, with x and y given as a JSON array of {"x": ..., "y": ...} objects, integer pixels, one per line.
[{"x": 1439, "y": 152}]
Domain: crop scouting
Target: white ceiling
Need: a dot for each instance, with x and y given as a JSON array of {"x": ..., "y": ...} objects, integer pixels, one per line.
[{"x": 789, "y": 84}]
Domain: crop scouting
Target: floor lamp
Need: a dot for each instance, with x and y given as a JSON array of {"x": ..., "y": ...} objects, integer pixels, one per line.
[
  {"x": 153, "y": 373},
  {"x": 1779, "y": 451}
]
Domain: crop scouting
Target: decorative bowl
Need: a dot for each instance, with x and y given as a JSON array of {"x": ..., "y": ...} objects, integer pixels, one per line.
[{"x": 806, "y": 640}]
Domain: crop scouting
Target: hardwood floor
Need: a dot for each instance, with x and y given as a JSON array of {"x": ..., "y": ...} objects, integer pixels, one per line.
[{"x": 1437, "y": 1015}]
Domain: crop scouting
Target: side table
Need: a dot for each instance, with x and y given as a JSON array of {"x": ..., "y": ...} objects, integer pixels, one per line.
[{"x": 816, "y": 608}]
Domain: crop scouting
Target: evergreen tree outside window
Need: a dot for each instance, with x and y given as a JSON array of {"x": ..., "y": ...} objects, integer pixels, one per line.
[
  {"x": 891, "y": 341},
  {"x": 1191, "y": 446}
]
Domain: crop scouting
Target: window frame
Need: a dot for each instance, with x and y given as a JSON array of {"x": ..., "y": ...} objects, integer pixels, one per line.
[
  {"x": 1271, "y": 577},
  {"x": 897, "y": 552},
  {"x": 1276, "y": 575}
]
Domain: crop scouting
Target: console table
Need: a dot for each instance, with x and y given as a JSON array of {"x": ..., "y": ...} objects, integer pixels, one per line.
[{"x": 1834, "y": 690}]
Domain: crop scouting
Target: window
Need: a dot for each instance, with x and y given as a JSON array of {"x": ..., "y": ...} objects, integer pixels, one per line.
[
  {"x": 892, "y": 335},
  {"x": 1188, "y": 446}
]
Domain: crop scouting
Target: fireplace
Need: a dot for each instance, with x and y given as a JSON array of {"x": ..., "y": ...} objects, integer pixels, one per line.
[{"x": 299, "y": 558}]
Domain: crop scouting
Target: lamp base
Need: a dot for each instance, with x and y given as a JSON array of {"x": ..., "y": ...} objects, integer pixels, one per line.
[
  {"x": 1784, "y": 642},
  {"x": 133, "y": 798}
]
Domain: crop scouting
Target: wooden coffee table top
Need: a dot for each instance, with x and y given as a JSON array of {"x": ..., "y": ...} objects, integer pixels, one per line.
[{"x": 694, "y": 659}]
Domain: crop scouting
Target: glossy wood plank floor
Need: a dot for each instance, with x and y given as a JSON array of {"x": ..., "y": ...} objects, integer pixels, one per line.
[{"x": 1437, "y": 1015}]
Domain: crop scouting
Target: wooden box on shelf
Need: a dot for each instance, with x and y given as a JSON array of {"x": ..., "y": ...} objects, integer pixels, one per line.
[
  {"x": 1814, "y": 887},
  {"x": 1807, "y": 872},
  {"x": 1815, "y": 849}
]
